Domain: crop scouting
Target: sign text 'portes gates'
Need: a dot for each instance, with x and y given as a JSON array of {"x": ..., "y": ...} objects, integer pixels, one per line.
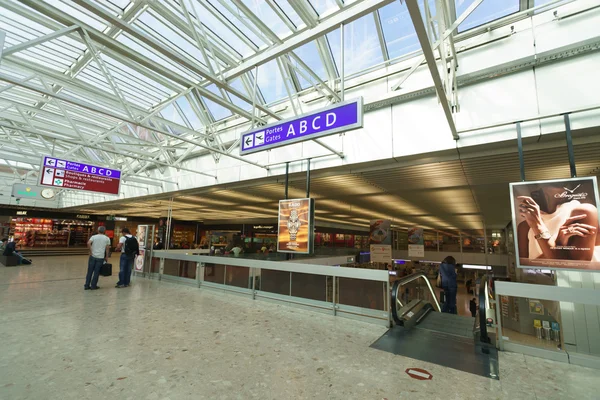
[
  {"x": 66, "y": 174},
  {"x": 340, "y": 117}
]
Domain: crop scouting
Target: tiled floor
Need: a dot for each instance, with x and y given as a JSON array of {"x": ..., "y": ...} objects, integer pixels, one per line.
[{"x": 158, "y": 340}]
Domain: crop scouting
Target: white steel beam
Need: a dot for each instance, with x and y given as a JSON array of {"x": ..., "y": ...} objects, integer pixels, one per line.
[
  {"x": 99, "y": 148},
  {"x": 169, "y": 53},
  {"x": 109, "y": 113},
  {"x": 417, "y": 19},
  {"x": 348, "y": 14},
  {"x": 447, "y": 33},
  {"x": 40, "y": 40}
]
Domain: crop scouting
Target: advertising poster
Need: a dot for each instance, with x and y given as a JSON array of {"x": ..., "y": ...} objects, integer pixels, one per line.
[
  {"x": 142, "y": 236},
  {"x": 380, "y": 231},
  {"x": 139, "y": 261},
  {"x": 296, "y": 225},
  {"x": 416, "y": 244},
  {"x": 536, "y": 307},
  {"x": 556, "y": 224},
  {"x": 381, "y": 253}
]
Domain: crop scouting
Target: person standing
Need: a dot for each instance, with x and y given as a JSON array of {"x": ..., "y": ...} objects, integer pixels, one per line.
[
  {"x": 129, "y": 247},
  {"x": 99, "y": 246},
  {"x": 473, "y": 307},
  {"x": 448, "y": 272}
]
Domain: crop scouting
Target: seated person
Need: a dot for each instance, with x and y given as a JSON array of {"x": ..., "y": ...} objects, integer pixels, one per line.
[
  {"x": 11, "y": 250},
  {"x": 3, "y": 245}
]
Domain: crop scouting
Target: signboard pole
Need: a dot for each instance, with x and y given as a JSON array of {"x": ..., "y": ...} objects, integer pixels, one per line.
[
  {"x": 287, "y": 179},
  {"x": 308, "y": 179},
  {"x": 520, "y": 145},
  {"x": 570, "y": 146},
  {"x": 2, "y": 36}
]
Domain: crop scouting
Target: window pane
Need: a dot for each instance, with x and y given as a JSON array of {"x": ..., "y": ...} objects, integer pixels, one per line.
[
  {"x": 289, "y": 11},
  {"x": 236, "y": 21},
  {"x": 398, "y": 30},
  {"x": 265, "y": 13},
  {"x": 361, "y": 48},
  {"x": 218, "y": 112},
  {"x": 270, "y": 82},
  {"x": 310, "y": 55},
  {"x": 487, "y": 11},
  {"x": 239, "y": 86},
  {"x": 324, "y": 6}
]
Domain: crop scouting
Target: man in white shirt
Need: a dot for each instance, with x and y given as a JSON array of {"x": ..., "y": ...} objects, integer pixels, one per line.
[{"x": 99, "y": 245}]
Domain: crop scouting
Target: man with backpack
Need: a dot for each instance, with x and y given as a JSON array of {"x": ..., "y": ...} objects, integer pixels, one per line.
[{"x": 130, "y": 248}]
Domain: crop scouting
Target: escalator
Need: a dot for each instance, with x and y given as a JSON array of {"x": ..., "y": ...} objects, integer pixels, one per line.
[{"x": 424, "y": 333}]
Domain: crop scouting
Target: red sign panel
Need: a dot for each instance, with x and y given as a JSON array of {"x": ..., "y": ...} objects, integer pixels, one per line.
[
  {"x": 418, "y": 373},
  {"x": 66, "y": 179}
]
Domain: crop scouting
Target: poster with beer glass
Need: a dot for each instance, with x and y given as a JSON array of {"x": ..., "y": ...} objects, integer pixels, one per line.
[
  {"x": 295, "y": 226},
  {"x": 556, "y": 224}
]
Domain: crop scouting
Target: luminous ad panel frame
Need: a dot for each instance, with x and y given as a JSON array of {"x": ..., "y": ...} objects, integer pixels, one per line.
[
  {"x": 295, "y": 226},
  {"x": 555, "y": 224}
]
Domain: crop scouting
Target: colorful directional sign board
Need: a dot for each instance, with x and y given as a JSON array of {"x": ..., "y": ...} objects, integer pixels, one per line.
[
  {"x": 66, "y": 174},
  {"x": 340, "y": 117}
]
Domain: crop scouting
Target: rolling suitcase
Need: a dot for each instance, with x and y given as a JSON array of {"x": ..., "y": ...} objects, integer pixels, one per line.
[{"x": 106, "y": 269}]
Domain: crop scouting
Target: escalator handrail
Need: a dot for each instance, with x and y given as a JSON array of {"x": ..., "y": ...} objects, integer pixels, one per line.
[
  {"x": 404, "y": 281},
  {"x": 484, "y": 302}
]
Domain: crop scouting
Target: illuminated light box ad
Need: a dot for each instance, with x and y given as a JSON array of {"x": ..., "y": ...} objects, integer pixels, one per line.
[
  {"x": 556, "y": 224},
  {"x": 295, "y": 233},
  {"x": 341, "y": 117},
  {"x": 65, "y": 174}
]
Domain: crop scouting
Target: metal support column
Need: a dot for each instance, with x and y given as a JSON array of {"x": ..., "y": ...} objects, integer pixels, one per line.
[
  {"x": 520, "y": 145},
  {"x": 308, "y": 179},
  {"x": 287, "y": 179},
  {"x": 570, "y": 146},
  {"x": 342, "y": 62},
  {"x": 333, "y": 299}
]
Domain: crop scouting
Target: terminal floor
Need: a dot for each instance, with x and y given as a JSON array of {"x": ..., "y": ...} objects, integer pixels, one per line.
[{"x": 158, "y": 340}]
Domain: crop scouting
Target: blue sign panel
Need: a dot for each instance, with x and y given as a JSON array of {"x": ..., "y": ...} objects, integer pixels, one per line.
[{"x": 340, "y": 117}]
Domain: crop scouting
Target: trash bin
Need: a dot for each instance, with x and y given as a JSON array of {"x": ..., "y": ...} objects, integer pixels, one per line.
[{"x": 538, "y": 332}]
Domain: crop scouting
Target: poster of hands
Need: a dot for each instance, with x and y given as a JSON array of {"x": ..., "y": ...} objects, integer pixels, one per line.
[{"x": 556, "y": 224}]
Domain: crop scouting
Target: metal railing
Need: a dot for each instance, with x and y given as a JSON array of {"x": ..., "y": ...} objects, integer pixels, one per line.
[
  {"x": 397, "y": 297},
  {"x": 350, "y": 292}
]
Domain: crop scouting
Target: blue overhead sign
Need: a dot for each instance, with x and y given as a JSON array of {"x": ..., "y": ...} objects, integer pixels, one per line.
[{"x": 340, "y": 117}]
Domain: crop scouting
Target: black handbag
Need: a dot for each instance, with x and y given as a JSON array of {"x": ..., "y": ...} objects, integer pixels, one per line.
[{"x": 106, "y": 269}]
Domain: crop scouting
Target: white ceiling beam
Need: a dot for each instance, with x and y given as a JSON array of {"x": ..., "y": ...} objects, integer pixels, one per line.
[
  {"x": 99, "y": 148},
  {"x": 115, "y": 46},
  {"x": 169, "y": 53},
  {"x": 91, "y": 107},
  {"x": 447, "y": 33},
  {"x": 348, "y": 14},
  {"x": 415, "y": 15},
  {"x": 40, "y": 40}
]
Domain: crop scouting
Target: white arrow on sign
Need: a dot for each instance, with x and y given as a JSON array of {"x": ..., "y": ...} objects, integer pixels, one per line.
[{"x": 48, "y": 177}]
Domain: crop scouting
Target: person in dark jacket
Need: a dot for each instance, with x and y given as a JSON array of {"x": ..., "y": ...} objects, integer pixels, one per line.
[
  {"x": 473, "y": 307},
  {"x": 448, "y": 272}
]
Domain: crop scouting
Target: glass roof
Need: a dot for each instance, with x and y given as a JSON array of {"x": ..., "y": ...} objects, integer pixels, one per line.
[{"x": 143, "y": 74}]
